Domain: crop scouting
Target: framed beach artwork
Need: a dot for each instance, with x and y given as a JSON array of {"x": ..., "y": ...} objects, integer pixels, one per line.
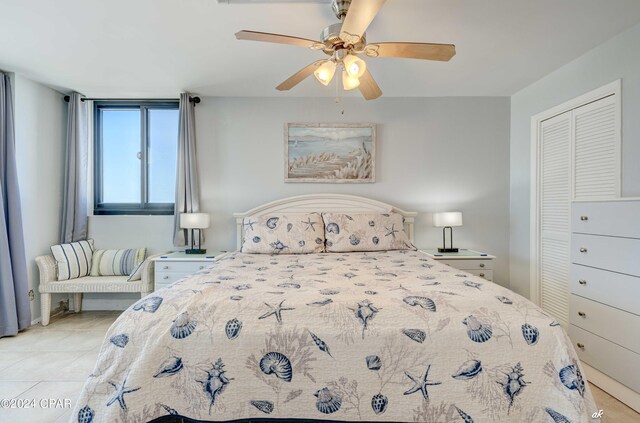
[{"x": 330, "y": 152}]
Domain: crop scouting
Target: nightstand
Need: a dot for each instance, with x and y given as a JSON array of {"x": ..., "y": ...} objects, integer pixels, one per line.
[
  {"x": 168, "y": 268},
  {"x": 474, "y": 262}
]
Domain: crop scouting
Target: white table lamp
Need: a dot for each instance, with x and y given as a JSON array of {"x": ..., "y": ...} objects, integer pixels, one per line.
[
  {"x": 194, "y": 221},
  {"x": 446, "y": 220}
]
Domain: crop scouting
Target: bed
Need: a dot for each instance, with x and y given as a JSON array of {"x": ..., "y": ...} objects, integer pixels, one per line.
[{"x": 357, "y": 336}]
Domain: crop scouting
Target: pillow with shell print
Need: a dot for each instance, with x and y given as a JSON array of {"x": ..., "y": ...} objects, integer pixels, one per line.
[
  {"x": 283, "y": 234},
  {"x": 365, "y": 232}
]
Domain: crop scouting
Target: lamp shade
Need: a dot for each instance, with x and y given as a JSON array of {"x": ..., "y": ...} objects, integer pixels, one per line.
[
  {"x": 443, "y": 219},
  {"x": 348, "y": 82},
  {"x": 324, "y": 74},
  {"x": 194, "y": 220},
  {"x": 354, "y": 66}
]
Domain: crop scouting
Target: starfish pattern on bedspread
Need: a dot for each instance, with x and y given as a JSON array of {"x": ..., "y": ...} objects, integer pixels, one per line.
[
  {"x": 120, "y": 392},
  {"x": 421, "y": 384},
  {"x": 275, "y": 310}
]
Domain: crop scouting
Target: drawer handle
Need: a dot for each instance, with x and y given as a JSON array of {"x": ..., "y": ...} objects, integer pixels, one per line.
[
  {"x": 580, "y": 345},
  {"x": 166, "y": 277},
  {"x": 166, "y": 268},
  {"x": 582, "y": 314},
  {"x": 583, "y": 250},
  {"x": 582, "y": 282},
  {"x": 481, "y": 264},
  {"x": 482, "y": 275},
  {"x": 584, "y": 217}
]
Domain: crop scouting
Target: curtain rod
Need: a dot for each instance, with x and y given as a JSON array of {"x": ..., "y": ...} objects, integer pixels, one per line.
[{"x": 194, "y": 100}]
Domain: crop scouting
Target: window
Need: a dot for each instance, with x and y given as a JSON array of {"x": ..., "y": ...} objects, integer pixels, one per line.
[{"x": 135, "y": 157}]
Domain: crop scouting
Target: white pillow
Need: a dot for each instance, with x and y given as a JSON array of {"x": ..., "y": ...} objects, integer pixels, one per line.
[
  {"x": 365, "y": 232},
  {"x": 73, "y": 260},
  {"x": 281, "y": 234},
  {"x": 136, "y": 274}
]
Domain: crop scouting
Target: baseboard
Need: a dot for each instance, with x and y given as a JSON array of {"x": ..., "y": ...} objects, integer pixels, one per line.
[
  {"x": 613, "y": 387},
  {"x": 95, "y": 304}
]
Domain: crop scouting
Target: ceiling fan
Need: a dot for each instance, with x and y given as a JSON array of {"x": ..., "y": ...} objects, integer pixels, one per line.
[{"x": 343, "y": 42}]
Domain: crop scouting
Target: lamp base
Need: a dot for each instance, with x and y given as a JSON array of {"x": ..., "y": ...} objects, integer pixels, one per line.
[
  {"x": 447, "y": 250},
  {"x": 195, "y": 251}
]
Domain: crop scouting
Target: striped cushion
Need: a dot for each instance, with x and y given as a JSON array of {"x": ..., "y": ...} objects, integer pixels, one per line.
[
  {"x": 73, "y": 260},
  {"x": 116, "y": 262}
]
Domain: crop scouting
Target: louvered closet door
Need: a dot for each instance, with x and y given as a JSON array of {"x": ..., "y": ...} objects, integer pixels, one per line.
[
  {"x": 597, "y": 150},
  {"x": 555, "y": 196}
]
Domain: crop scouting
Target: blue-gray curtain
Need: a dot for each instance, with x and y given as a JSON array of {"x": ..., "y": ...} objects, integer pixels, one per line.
[
  {"x": 74, "y": 204},
  {"x": 187, "y": 184},
  {"x": 15, "y": 313}
]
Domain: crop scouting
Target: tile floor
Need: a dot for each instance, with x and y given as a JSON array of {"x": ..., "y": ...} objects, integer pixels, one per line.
[
  {"x": 51, "y": 362},
  {"x": 54, "y": 361}
]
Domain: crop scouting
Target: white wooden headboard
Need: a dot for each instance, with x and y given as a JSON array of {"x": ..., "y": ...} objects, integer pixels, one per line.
[{"x": 340, "y": 203}]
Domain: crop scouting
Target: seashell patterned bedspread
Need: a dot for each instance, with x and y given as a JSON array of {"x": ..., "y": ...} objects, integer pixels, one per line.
[{"x": 382, "y": 336}]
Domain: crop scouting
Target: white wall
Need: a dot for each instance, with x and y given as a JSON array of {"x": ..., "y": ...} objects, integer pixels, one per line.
[
  {"x": 40, "y": 126},
  {"x": 615, "y": 59},
  {"x": 433, "y": 154},
  {"x": 152, "y": 232}
]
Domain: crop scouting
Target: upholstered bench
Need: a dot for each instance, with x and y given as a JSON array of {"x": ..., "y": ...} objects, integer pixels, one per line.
[{"x": 88, "y": 284}]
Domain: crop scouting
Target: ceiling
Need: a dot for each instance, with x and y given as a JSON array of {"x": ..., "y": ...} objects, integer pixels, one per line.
[{"x": 157, "y": 48}]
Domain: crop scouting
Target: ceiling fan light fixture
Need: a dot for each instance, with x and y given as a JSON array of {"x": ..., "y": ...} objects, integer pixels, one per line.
[
  {"x": 349, "y": 82},
  {"x": 324, "y": 73},
  {"x": 354, "y": 65},
  {"x": 343, "y": 42}
]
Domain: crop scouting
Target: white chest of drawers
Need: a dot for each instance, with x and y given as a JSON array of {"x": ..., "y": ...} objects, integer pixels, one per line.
[
  {"x": 474, "y": 262},
  {"x": 172, "y": 267},
  {"x": 605, "y": 288}
]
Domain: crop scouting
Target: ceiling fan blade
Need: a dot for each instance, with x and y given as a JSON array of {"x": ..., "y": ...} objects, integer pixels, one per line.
[
  {"x": 299, "y": 76},
  {"x": 368, "y": 86},
  {"x": 424, "y": 51},
  {"x": 279, "y": 39},
  {"x": 359, "y": 16}
]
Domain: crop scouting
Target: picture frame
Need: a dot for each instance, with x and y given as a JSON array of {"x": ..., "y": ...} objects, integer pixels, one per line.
[{"x": 329, "y": 153}]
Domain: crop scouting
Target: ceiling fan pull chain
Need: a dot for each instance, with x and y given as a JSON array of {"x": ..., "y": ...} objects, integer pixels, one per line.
[
  {"x": 338, "y": 96},
  {"x": 336, "y": 84}
]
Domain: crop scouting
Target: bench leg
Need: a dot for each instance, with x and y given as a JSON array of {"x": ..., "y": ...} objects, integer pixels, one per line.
[
  {"x": 45, "y": 308},
  {"x": 77, "y": 302}
]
